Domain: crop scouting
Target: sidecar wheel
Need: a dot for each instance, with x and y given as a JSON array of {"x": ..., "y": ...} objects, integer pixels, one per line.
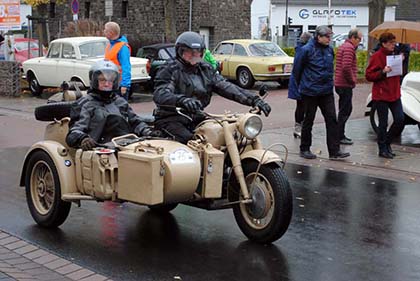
[
  {"x": 267, "y": 218},
  {"x": 163, "y": 208},
  {"x": 43, "y": 191}
]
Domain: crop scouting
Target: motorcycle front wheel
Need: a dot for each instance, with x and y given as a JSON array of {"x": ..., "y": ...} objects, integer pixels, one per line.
[{"x": 267, "y": 218}]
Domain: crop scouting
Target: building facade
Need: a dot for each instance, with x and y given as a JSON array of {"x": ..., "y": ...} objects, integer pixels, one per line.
[
  {"x": 154, "y": 21},
  {"x": 306, "y": 15}
]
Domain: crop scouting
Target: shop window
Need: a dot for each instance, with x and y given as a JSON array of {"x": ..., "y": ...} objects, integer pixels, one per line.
[
  {"x": 124, "y": 9},
  {"x": 52, "y": 10},
  {"x": 87, "y": 10}
]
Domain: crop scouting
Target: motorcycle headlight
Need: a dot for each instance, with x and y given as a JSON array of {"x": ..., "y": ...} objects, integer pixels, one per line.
[{"x": 250, "y": 126}]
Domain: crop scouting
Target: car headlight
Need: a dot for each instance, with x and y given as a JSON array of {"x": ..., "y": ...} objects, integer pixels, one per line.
[{"x": 250, "y": 126}]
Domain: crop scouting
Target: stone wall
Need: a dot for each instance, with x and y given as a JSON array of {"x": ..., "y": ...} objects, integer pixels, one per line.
[
  {"x": 9, "y": 78},
  {"x": 153, "y": 21}
]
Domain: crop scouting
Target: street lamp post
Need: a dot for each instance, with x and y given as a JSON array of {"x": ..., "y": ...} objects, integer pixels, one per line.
[
  {"x": 286, "y": 31},
  {"x": 329, "y": 12}
]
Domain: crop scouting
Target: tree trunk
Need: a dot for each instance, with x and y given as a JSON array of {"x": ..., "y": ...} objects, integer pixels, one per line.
[
  {"x": 376, "y": 17},
  {"x": 41, "y": 24}
]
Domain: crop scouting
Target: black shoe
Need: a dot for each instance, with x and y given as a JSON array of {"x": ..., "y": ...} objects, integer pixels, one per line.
[
  {"x": 307, "y": 154},
  {"x": 385, "y": 154},
  {"x": 390, "y": 150},
  {"x": 339, "y": 155},
  {"x": 346, "y": 141}
]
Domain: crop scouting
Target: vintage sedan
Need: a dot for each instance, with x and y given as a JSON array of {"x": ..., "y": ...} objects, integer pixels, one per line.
[
  {"x": 20, "y": 49},
  {"x": 69, "y": 59},
  {"x": 158, "y": 54},
  {"x": 247, "y": 61}
]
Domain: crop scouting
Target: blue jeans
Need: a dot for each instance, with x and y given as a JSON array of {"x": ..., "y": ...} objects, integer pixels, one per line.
[
  {"x": 345, "y": 108},
  {"x": 385, "y": 137}
]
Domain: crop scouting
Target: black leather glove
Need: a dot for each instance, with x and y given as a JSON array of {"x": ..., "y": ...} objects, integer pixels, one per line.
[
  {"x": 87, "y": 143},
  {"x": 147, "y": 131},
  {"x": 190, "y": 104},
  {"x": 263, "y": 106}
]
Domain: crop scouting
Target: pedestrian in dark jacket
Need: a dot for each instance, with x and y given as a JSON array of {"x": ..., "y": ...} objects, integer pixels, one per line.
[
  {"x": 293, "y": 92},
  {"x": 313, "y": 72},
  {"x": 102, "y": 114},
  {"x": 345, "y": 80},
  {"x": 386, "y": 95},
  {"x": 188, "y": 83}
]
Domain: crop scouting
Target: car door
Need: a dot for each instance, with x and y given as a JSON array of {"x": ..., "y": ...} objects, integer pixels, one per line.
[
  {"x": 238, "y": 57},
  {"x": 46, "y": 70},
  {"x": 222, "y": 54},
  {"x": 65, "y": 66}
]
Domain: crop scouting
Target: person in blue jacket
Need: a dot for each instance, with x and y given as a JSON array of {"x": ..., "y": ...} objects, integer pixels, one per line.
[
  {"x": 118, "y": 51},
  {"x": 293, "y": 91},
  {"x": 313, "y": 71}
]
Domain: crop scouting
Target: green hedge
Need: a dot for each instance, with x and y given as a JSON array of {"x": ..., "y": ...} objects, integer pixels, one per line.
[{"x": 414, "y": 62}]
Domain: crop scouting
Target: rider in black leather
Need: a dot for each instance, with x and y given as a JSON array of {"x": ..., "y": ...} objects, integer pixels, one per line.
[
  {"x": 102, "y": 114},
  {"x": 188, "y": 82}
]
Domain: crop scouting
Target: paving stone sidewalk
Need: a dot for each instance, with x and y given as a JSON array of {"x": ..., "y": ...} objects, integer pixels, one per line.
[{"x": 20, "y": 260}]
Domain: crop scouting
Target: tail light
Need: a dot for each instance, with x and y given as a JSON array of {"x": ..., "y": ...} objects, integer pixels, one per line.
[
  {"x": 221, "y": 66},
  {"x": 271, "y": 68},
  {"x": 148, "y": 66}
]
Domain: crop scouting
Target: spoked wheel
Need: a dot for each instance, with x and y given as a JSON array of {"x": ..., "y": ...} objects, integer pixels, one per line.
[
  {"x": 43, "y": 191},
  {"x": 267, "y": 218}
]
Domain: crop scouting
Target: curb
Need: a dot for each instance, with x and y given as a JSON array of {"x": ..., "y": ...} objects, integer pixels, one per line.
[{"x": 20, "y": 260}]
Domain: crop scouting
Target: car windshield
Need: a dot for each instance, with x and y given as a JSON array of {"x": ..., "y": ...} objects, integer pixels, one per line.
[
  {"x": 93, "y": 49},
  {"x": 171, "y": 50},
  {"x": 266, "y": 50},
  {"x": 24, "y": 45}
]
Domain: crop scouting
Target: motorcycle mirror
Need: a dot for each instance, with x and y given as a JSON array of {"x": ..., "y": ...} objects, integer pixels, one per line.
[{"x": 263, "y": 90}]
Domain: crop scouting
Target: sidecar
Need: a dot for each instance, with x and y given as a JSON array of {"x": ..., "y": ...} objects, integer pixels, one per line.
[{"x": 161, "y": 173}]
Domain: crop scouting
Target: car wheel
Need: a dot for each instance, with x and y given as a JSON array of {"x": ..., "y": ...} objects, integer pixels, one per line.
[
  {"x": 43, "y": 191},
  {"x": 34, "y": 86},
  {"x": 53, "y": 111},
  {"x": 284, "y": 83},
  {"x": 244, "y": 78}
]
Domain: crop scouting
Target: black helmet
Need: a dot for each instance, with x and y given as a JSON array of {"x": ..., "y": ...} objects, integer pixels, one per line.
[
  {"x": 109, "y": 71},
  {"x": 190, "y": 40}
]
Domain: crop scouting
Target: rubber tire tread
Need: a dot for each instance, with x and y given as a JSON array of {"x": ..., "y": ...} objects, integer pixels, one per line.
[
  {"x": 283, "y": 201},
  {"x": 53, "y": 111},
  {"x": 61, "y": 209}
]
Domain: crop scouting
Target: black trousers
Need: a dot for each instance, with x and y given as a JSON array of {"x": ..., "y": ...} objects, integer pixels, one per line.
[
  {"x": 345, "y": 108},
  {"x": 327, "y": 106},
  {"x": 299, "y": 111},
  {"x": 385, "y": 137}
]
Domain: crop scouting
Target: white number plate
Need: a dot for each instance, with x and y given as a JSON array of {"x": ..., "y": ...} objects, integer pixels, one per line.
[
  {"x": 288, "y": 68},
  {"x": 181, "y": 156}
]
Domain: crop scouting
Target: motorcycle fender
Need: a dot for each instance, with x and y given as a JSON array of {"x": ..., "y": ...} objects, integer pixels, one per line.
[
  {"x": 411, "y": 106},
  {"x": 63, "y": 162},
  {"x": 257, "y": 154}
]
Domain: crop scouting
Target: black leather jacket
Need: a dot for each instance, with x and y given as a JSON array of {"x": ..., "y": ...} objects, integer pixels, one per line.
[
  {"x": 102, "y": 119},
  {"x": 176, "y": 80}
]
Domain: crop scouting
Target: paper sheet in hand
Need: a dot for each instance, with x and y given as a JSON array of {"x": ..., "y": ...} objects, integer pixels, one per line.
[{"x": 395, "y": 62}]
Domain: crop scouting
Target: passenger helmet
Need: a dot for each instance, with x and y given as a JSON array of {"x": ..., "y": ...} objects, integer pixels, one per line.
[
  {"x": 106, "y": 70},
  {"x": 189, "y": 40}
]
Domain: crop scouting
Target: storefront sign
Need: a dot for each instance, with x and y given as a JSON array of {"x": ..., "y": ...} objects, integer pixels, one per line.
[
  {"x": 323, "y": 13},
  {"x": 9, "y": 14}
]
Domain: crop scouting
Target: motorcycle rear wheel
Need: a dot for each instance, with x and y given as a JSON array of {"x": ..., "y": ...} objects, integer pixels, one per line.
[{"x": 267, "y": 218}]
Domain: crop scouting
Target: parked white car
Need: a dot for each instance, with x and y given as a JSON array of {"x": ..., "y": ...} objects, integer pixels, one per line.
[
  {"x": 69, "y": 59},
  {"x": 339, "y": 39}
]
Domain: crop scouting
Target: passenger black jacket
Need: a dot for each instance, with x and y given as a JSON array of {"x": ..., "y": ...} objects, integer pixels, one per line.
[
  {"x": 102, "y": 119},
  {"x": 176, "y": 80}
]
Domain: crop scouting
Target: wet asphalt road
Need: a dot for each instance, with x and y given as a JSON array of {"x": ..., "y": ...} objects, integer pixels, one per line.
[{"x": 344, "y": 227}]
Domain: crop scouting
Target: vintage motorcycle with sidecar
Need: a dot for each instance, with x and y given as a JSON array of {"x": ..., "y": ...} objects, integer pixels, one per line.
[{"x": 224, "y": 166}]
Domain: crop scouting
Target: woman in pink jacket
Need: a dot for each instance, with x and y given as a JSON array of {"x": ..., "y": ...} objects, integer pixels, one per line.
[{"x": 386, "y": 95}]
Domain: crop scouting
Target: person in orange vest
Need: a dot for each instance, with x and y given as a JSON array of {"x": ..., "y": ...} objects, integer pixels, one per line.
[{"x": 118, "y": 51}]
